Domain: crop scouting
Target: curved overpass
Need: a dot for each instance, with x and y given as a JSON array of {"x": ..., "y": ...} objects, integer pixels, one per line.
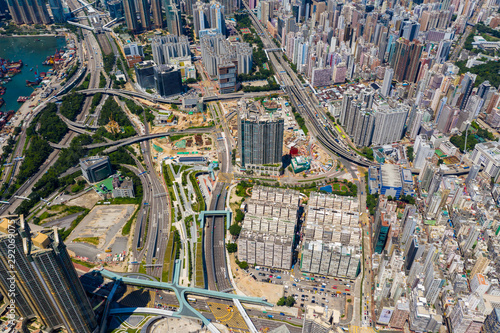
[
  {"x": 151, "y": 98},
  {"x": 139, "y": 138}
]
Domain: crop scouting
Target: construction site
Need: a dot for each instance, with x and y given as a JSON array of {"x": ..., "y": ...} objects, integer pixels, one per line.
[{"x": 306, "y": 157}]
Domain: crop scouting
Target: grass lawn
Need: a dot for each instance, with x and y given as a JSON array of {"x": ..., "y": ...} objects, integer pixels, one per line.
[
  {"x": 90, "y": 240},
  {"x": 199, "y": 275},
  {"x": 168, "y": 262}
]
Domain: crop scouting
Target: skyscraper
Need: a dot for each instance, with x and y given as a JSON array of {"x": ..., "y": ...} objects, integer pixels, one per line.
[
  {"x": 157, "y": 14},
  {"x": 47, "y": 285},
  {"x": 386, "y": 86},
  {"x": 56, "y": 8},
  {"x": 28, "y": 11},
  {"x": 173, "y": 18},
  {"x": 144, "y": 14},
  {"x": 167, "y": 80},
  {"x": 217, "y": 21},
  {"x": 231, "y": 6},
  {"x": 406, "y": 60},
  {"x": 201, "y": 14},
  {"x": 443, "y": 51},
  {"x": 260, "y": 136},
  {"x": 465, "y": 89},
  {"x": 389, "y": 124},
  {"x": 409, "y": 30},
  {"x": 130, "y": 16}
]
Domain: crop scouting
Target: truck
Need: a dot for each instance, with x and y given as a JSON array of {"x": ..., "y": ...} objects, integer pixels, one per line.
[
  {"x": 281, "y": 313},
  {"x": 257, "y": 268},
  {"x": 270, "y": 316}
]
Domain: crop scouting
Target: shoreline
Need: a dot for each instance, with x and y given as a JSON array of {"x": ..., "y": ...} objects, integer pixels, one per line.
[{"x": 41, "y": 35}]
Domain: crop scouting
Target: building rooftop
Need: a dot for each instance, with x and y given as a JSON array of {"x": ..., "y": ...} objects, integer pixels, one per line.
[
  {"x": 93, "y": 160},
  {"x": 390, "y": 175}
]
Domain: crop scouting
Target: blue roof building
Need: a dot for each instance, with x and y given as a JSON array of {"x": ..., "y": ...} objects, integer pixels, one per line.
[{"x": 390, "y": 180}]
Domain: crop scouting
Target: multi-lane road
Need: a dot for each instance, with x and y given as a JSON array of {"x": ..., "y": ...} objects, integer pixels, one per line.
[{"x": 25, "y": 189}]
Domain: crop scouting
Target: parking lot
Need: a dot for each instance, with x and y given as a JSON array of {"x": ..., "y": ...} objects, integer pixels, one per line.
[{"x": 308, "y": 289}]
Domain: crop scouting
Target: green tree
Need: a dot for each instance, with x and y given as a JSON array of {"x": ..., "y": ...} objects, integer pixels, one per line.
[
  {"x": 232, "y": 247},
  {"x": 243, "y": 265},
  {"x": 239, "y": 215},
  {"x": 440, "y": 161},
  {"x": 235, "y": 229},
  {"x": 409, "y": 153},
  {"x": 290, "y": 301},
  {"x": 281, "y": 301}
]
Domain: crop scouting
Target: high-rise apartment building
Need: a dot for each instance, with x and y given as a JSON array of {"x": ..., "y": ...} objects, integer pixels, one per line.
[
  {"x": 157, "y": 14},
  {"x": 481, "y": 264},
  {"x": 209, "y": 19},
  {"x": 173, "y": 15},
  {"x": 130, "y": 15},
  {"x": 492, "y": 322},
  {"x": 167, "y": 47},
  {"x": 144, "y": 14},
  {"x": 389, "y": 124},
  {"x": 406, "y": 60},
  {"x": 47, "y": 285},
  {"x": 29, "y": 11},
  {"x": 260, "y": 136},
  {"x": 386, "y": 86},
  {"x": 231, "y": 6},
  {"x": 56, "y": 7}
]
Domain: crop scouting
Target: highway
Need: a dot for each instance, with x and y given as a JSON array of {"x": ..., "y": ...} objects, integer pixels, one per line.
[
  {"x": 26, "y": 188},
  {"x": 302, "y": 102},
  {"x": 306, "y": 107},
  {"x": 214, "y": 233}
]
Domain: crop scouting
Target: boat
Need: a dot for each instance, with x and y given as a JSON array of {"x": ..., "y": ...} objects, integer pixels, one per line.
[
  {"x": 31, "y": 69},
  {"x": 22, "y": 99}
]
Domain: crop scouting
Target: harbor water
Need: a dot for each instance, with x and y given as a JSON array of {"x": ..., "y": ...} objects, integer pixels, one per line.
[{"x": 32, "y": 51}]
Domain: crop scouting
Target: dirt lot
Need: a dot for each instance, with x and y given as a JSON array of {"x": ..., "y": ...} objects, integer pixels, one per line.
[
  {"x": 171, "y": 149},
  {"x": 250, "y": 287},
  {"x": 103, "y": 222},
  {"x": 259, "y": 83},
  {"x": 88, "y": 200}
]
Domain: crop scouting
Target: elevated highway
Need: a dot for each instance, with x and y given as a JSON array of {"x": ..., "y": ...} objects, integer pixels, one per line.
[
  {"x": 154, "y": 99},
  {"x": 181, "y": 293},
  {"x": 330, "y": 140}
]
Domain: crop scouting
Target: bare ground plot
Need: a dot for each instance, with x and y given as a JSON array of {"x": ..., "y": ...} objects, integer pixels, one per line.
[
  {"x": 250, "y": 287},
  {"x": 88, "y": 200},
  {"x": 258, "y": 83},
  {"x": 102, "y": 223}
]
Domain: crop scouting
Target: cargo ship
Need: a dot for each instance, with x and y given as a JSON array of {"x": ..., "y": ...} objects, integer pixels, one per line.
[
  {"x": 35, "y": 82},
  {"x": 9, "y": 68}
]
